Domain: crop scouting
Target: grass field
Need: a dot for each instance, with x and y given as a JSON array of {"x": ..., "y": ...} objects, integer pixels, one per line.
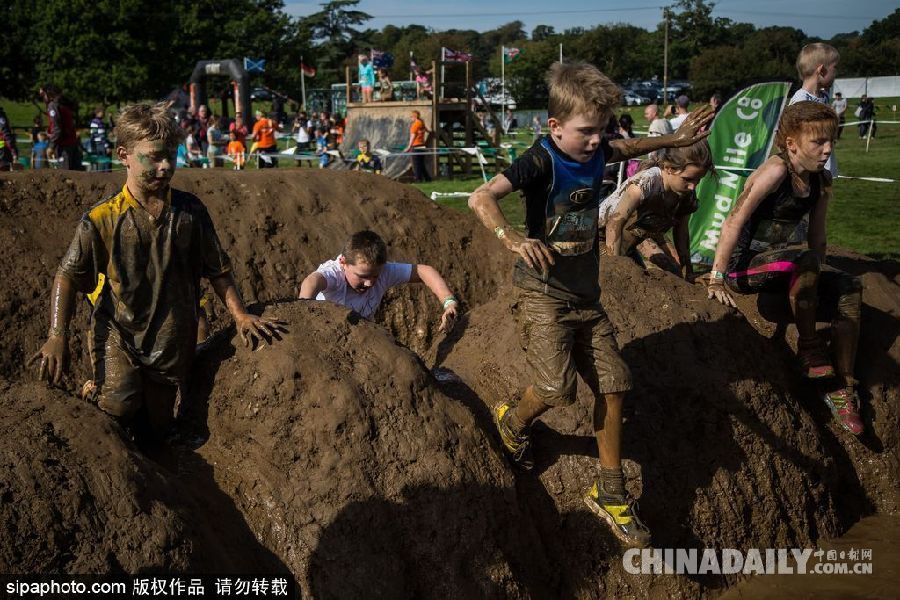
[{"x": 864, "y": 216}]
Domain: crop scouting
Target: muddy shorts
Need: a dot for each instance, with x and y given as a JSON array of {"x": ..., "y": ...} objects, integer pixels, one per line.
[
  {"x": 774, "y": 271},
  {"x": 562, "y": 341},
  {"x": 123, "y": 387}
]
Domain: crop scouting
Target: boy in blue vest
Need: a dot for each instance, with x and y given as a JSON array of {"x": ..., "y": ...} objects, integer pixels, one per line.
[{"x": 566, "y": 331}]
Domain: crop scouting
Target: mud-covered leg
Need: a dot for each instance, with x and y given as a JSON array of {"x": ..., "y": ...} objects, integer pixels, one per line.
[
  {"x": 803, "y": 295},
  {"x": 845, "y": 291}
]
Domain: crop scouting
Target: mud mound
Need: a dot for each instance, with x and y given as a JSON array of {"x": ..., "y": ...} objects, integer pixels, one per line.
[
  {"x": 75, "y": 498},
  {"x": 726, "y": 446},
  {"x": 364, "y": 478},
  {"x": 277, "y": 227}
]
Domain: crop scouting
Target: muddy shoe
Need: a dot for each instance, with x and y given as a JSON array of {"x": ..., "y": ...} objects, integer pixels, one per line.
[
  {"x": 517, "y": 445},
  {"x": 814, "y": 361},
  {"x": 621, "y": 515},
  {"x": 843, "y": 404},
  {"x": 89, "y": 391}
]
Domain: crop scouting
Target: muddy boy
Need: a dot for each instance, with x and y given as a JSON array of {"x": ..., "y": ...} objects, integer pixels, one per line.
[
  {"x": 144, "y": 251},
  {"x": 566, "y": 331}
]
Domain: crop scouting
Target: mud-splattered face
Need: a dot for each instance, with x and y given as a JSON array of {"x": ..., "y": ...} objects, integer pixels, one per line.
[
  {"x": 578, "y": 136},
  {"x": 360, "y": 276},
  {"x": 363, "y": 147},
  {"x": 811, "y": 150},
  {"x": 150, "y": 165},
  {"x": 685, "y": 181}
]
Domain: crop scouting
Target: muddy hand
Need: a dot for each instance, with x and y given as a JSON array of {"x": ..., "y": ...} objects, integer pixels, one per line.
[
  {"x": 533, "y": 251},
  {"x": 690, "y": 131},
  {"x": 448, "y": 319},
  {"x": 52, "y": 357},
  {"x": 715, "y": 289},
  {"x": 253, "y": 329}
]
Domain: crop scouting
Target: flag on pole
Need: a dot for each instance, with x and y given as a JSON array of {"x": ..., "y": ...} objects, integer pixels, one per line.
[
  {"x": 381, "y": 59},
  {"x": 254, "y": 66},
  {"x": 454, "y": 56},
  {"x": 307, "y": 70},
  {"x": 510, "y": 54},
  {"x": 740, "y": 139}
]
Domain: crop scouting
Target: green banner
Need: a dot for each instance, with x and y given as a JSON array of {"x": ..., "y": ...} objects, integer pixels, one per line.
[{"x": 742, "y": 135}]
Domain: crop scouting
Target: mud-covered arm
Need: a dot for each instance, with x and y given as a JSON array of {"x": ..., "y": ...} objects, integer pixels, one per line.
[
  {"x": 631, "y": 200},
  {"x": 759, "y": 185},
  {"x": 690, "y": 132},
  {"x": 485, "y": 201},
  {"x": 682, "y": 237},
  {"x": 434, "y": 282},
  {"x": 817, "y": 238},
  {"x": 52, "y": 354},
  {"x": 250, "y": 327}
]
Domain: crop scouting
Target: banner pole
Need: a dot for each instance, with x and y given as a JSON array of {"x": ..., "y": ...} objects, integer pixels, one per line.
[{"x": 302, "y": 83}]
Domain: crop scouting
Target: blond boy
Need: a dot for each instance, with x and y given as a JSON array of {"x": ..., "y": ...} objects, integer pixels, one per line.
[
  {"x": 817, "y": 67},
  {"x": 566, "y": 330},
  {"x": 148, "y": 246}
]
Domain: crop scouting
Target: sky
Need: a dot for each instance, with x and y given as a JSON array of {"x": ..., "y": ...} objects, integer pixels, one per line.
[{"x": 819, "y": 18}]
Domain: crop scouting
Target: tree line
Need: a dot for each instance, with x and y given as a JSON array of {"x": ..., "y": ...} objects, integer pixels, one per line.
[{"x": 110, "y": 51}]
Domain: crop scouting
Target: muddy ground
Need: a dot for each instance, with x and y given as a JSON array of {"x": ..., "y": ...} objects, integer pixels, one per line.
[{"x": 360, "y": 457}]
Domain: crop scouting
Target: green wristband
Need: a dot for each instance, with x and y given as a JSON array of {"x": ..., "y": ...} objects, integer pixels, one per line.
[{"x": 449, "y": 300}]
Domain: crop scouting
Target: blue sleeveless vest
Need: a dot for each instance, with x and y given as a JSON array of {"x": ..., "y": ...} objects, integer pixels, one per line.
[{"x": 573, "y": 202}]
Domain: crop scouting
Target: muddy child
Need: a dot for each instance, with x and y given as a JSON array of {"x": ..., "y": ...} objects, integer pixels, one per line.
[
  {"x": 147, "y": 246},
  {"x": 359, "y": 277},
  {"x": 758, "y": 251},
  {"x": 658, "y": 198},
  {"x": 566, "y": 331}
]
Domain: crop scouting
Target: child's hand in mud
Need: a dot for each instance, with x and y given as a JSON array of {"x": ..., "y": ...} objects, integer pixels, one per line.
[
  {"x": 252, "y": 329},
  {"x": 691, "y": 131},
  {"x": 534, "y": 252},
  {"x": 715, "y": 289},
  {"x": 448, "y": 319},
  {"x": 53, "y": 355}
]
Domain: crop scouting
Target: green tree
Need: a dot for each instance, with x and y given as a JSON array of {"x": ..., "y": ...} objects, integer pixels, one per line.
[{"x": 334, "y": 32}]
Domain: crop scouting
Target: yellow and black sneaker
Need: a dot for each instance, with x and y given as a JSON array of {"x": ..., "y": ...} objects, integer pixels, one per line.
[
  {"x": 518, "y": 445},
  {"x": 621, "y": 515}
]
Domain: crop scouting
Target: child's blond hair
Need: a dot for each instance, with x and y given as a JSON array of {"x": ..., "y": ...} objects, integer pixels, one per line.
[
  {"x": 578, "y": 88},
  {"x": 147, "y": 122},
  {"x": 813, "y": 55}
]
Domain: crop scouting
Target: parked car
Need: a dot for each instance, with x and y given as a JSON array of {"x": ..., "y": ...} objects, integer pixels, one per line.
[
  {"x": 634, "y": 99},
  {"x": 260, "y": 94}
]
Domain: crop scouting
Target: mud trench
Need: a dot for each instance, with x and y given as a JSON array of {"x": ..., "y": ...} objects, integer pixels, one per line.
[{"x": 360, "y": 457}]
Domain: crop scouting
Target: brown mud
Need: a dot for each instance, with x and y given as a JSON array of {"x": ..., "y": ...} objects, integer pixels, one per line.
[{"x": 362, "y": 468}]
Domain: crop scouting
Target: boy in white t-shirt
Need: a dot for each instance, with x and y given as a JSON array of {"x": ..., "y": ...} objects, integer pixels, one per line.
[
  {"x": 359, "y": 277},
  {"x": 817, "y": 68}
]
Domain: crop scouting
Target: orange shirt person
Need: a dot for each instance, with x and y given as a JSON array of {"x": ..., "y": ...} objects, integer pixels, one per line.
[
  {"x": 417, "y": 133},
  {"x": 264, "y": 135},
  {"x": 235, "y": 150}
]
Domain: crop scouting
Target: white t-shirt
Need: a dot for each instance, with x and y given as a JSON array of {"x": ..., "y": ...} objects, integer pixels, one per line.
[
  {"x": 840, "y": 106},
  {"x": 676, "y": 122},
  {"x": 366, "y": 303},
  {"x": 660, "y": 126},
  {"x": 650, "y": 183},
  {"x": 802, "y": 95}
]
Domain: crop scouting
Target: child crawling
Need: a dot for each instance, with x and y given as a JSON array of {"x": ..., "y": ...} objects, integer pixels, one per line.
[
  {"x": 359, "y": 277},
  {"x": 654, "y": 200}
]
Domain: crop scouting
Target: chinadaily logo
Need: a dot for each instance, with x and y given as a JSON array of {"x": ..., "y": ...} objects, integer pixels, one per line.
[{"x": 728, "y": 561}]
